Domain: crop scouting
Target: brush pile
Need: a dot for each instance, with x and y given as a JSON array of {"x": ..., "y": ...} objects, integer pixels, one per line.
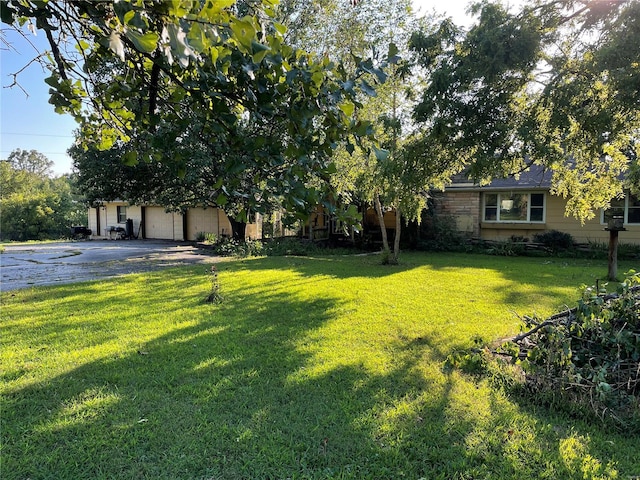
[{"x": 587, "y": 357}]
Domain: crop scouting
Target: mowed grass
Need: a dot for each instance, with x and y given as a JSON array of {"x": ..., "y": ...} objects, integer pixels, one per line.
[{"x": 327, "y": 367}]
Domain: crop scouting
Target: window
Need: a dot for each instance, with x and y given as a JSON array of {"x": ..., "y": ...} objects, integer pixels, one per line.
[
  {"x": 514, "y": 207},
  {"x": 627, "y": 208},
  {"x": 122, "y": 214}
]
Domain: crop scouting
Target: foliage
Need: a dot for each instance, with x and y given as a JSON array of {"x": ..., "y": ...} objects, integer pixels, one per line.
[
  {"x": 439, "y": 232},
  {"x": 628, "y": 251},
  {"x": 507, "y": 248},
  {"x": 137, "y": 376},
  {"x": 225, "y": 112},
  {"x": 231, "y": 247},
  {"x": 376, "y": 175},
  {"x": 215, "y": 295},
  {"x": 555, "y": 240},
  {"x": 290, "y": 246},
  {"x": 589, "y": 356},
  {"x": 35, "y": 206},
  {"x": 554, "y": 84},
  {"x": 31, "y": 162}
]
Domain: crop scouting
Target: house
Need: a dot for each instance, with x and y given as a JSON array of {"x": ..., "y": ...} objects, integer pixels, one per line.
[
  {"x": 519, "y": 208},
  {"x": 109, "y": 220},
  {"x": 321, "y": 225}
]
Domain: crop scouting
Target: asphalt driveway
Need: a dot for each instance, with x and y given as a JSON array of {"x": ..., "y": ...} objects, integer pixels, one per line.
[{"x": 28, "y": 265}]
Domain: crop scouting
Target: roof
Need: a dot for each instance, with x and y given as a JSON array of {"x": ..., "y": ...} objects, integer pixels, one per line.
[{"x": 535, "y": 176}]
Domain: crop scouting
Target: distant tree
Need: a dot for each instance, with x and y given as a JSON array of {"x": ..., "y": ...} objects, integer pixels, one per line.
[
  {"x": 33, "y": 205},
  {"x": 31, "y": 161},
  {"x": 555, "y": 84}
]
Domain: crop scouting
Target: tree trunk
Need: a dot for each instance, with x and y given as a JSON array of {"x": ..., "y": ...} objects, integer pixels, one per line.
[
  {"x": 238, "y": 229},
  {"x": 383, "y": 229},
  {"x": 396, "y": 240}
]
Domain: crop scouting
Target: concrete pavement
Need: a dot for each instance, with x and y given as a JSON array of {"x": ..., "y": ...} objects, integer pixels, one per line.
[{"x": 27, "y": 265}]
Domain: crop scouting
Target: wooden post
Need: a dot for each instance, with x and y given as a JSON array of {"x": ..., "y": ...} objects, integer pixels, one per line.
[
  {"x": 615, "y": 225},
  {"x": 613, "y": 255}
]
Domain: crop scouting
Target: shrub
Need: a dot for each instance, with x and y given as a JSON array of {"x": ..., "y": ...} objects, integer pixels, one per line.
[
  {"x": 229, "y": 247},
  {"x": 200, "y": 236},
  {"x": 210, "y": 238},
  {"x": 554, "y": 240},
  {"x": 440, "y": 233}
]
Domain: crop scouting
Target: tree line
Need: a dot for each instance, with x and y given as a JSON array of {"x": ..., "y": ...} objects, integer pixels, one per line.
[
  {"x": 34, "y": 204},
  {"x": 253, "y": 105}
]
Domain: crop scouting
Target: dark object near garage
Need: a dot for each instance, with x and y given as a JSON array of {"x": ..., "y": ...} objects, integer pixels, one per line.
[
  {"x": 80, "y": 232},
  {"x": 129, "y": 229}
]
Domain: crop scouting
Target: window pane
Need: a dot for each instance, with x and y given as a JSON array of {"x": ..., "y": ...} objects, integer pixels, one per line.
[
  {"x": 537, "y": 199},
  {"x": 490, "y": 213},
  {"x": 537, "y": 214},
  {"x": 513, "y": 208},
  {"x": 491, "y": 207},
  {"x": 491, "y": 199},
  {"x": 634, "y": 210},
  {"x": 122, "y": 214}
]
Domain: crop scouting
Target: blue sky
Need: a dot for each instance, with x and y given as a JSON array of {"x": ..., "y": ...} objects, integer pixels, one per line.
[{"x": 28, "y": 121}]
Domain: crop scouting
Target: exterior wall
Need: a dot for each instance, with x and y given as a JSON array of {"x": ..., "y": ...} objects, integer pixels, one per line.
[
  {"x": 389, "y": 217},
  {"x": 166, "y": 226},
  {"x": 592, "y": 231},
  {"x": 134, "y": 212},
  {"x": 254, "y": 230},
  {"x": 92, "y": 222},
  {"x": 464, "y": 207},
  {"x": 207, "y": 220}
]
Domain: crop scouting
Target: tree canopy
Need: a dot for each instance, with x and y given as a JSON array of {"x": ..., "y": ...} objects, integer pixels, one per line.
[
  {"x": 556, "y": 84},
  {"x": 167, "y": 82}
]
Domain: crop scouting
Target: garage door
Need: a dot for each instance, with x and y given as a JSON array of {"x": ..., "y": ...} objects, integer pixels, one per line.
[
  {"x": 158, "y": 223},
  {"x": 201, "y": 220}
]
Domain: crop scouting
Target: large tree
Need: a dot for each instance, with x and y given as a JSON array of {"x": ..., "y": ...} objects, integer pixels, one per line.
[
  {"x": 377, "y": 30},
  {"x": 155, "y": 77},
  {"x": 556, "y": 83}
]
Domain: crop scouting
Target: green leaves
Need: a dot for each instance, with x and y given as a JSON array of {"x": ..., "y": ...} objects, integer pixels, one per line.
[
  {"x": 244, "y": 33},
  {"x": 144, "y": 42},
  {"x": 194, "y": 81},
  {"x": 130, "y": 158},
  {"x": 489, "y": 106}
]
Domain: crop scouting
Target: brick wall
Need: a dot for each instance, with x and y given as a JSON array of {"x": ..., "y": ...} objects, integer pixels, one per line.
[{"x": 464, "y": 207}]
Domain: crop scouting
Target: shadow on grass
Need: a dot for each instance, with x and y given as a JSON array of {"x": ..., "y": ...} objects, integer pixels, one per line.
[{"x": 234, "y": 395}]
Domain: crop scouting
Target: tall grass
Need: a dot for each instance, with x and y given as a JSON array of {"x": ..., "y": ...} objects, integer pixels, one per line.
[{"x": 324, "y": 367}]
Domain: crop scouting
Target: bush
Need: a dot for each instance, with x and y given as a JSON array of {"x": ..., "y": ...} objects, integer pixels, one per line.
[
  {"x": 229, "y": 247},
  {"x": 554, "y": 240},
  {"x": 507, "y": 248},
  {"x": 588, "y": 358},
  {"x": 600, "y": 250},
  {"x": 440, "y": 233}
]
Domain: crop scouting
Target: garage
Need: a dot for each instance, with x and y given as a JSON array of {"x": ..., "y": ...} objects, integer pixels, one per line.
[
  {"x": 159, "y": 224},
  {"x": 207, "y": 220}
]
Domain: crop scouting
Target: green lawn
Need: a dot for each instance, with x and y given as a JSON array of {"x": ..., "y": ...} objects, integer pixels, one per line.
[{"x": 327, "y": 367}]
